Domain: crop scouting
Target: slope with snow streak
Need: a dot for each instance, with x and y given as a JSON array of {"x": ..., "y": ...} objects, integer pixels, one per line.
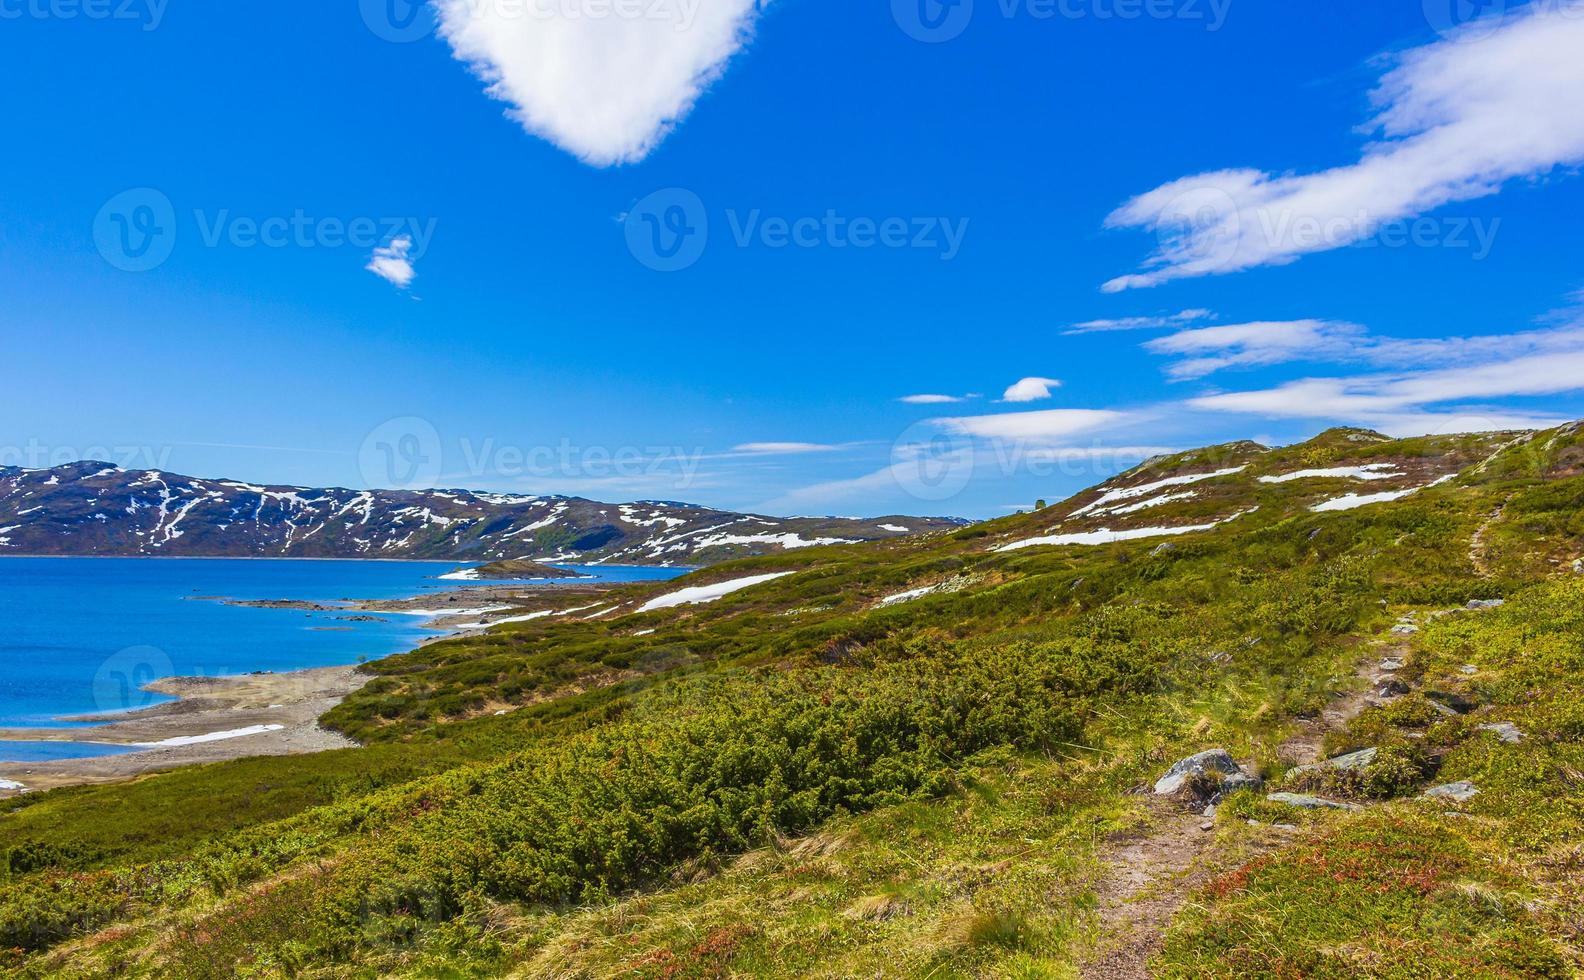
[
  {"x": 1108, "y": 536},
  {"x": 1353, "y": 501},
  {"x": 708, "y": 593}
]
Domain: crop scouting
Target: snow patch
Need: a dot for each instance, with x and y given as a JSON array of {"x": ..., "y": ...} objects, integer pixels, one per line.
[
  {"x": 211, "y": 737},
  {"x": 1353, "y": 501},
  {"x": 1108, "y": 536},
  {"x": 708, "y": 593},
  {"x": 1133, "y": 493},
  {"x": 1372, "y": 471}
]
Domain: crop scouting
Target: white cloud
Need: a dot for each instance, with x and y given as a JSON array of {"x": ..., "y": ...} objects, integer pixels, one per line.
[
  {"x": 1051, "y": 425},
  {"x": 604, "y": 81},
  {"x": 1456, "y": 121},
  {"x": 934, "y": 399},
  {"x": 1139, "y": 322},
  {"x": 392, "y": 263},
  {"x": 1211, "y": 349},
  {"x": 1403, "y": 404},
  {"x": 782, "y": 448},
  {"x": 1030, "y": 390}
]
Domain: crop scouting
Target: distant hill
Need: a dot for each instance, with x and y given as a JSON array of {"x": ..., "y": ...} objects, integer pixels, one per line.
[{"x": 92, "y": 508}]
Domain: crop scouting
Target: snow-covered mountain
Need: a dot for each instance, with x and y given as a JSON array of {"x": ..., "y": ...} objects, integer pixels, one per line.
[{"x": 97, "y": 509}]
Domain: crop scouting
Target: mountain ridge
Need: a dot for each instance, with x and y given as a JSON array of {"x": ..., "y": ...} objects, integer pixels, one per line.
[{"x": 91, "y": 508}]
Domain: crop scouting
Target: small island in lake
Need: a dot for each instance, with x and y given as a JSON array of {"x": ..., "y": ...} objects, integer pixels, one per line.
[{"x": 514, "y": 568}]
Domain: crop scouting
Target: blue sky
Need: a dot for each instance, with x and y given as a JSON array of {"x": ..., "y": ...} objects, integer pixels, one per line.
[{"x": 703, "y": 250}]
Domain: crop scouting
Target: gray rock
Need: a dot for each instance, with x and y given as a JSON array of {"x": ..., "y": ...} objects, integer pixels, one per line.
[
  {"x": 1207, "y": 825},
  {"x": 1291, "y": 828},
  {"x": 1391, "y": 664},
  {"x": 1477, "y": 604},
  {"x": 1468, "y": 669},
  {"x": 1351, "y": 762},
  {"x": 1461, "y": 791},
  {"x": 1393, "y": 689},
  {"x": 1304, "y": 802},
  {"x": 1578, "y": 567},
  {"x": 1441, "y": 709},
  {"x": 1504, "y": 730},
  {"x": 1240, "y": 780},
  {"x": 1404, "y": 629},
  {"x": 1213, "y": 760}
]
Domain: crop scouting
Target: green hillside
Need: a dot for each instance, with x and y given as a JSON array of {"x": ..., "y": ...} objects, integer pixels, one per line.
[{"x": 928, "y": 756}]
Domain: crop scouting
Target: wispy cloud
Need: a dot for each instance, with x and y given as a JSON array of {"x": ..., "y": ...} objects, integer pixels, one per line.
[
  {"x": 1030, "y": 390},
  {"x": 1048, "y": 426},
  {"x": 1456, "y": 121},
  {"x": 392, "y": 262},
  {"x": 935, "y": 399},
  {"x": 782, "y": 448},
  {"x": 1211, "y": 349},
  {"x": 1207, "y": 350},
  {"x": 1139, "y": 322},
  {"x": 607, "y": 85}
]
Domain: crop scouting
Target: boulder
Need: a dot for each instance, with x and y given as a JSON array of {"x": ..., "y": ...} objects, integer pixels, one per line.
[
  {"x": 1351, "y": 762},
  {"x": 1461, "y": 791},
  {"x": 1468, "y": 670},
  {"x": 1391, "y": 664},
  {"x": 1404, "y": 629},
  {"x": 1305, "y": 802},
  {"x": 1240, "y": 780},
  {"x": 1211, "y": 761},
  {"x": 1504, "y": 730},
  {"x": 1393, "y": 688},
  {"x": 1452, "y": 700},
  {"x": 1478, "y": 604}
]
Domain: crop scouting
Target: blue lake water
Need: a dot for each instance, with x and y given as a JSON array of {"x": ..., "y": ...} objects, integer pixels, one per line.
[
  {"x": 11, "y": 751},
  {"x": 83, "y": 635}
]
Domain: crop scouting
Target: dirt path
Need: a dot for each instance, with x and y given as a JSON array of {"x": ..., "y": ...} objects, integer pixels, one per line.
[
  {"x": 1150, "y": 875},
  {"x": 1477, "y": 547},
  {"x": 1147, "y": 880}
]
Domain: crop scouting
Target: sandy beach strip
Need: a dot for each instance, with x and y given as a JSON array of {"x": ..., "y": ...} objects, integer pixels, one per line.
[{"x": 216, "y": 719}]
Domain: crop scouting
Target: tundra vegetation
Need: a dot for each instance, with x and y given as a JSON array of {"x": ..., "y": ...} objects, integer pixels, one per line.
[{"x": 803, "y": 778}]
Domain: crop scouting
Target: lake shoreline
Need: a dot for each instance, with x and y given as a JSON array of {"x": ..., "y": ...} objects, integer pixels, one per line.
[
  {"x": 218, "y": 719},
  {"x": 279, "y": 712}
]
